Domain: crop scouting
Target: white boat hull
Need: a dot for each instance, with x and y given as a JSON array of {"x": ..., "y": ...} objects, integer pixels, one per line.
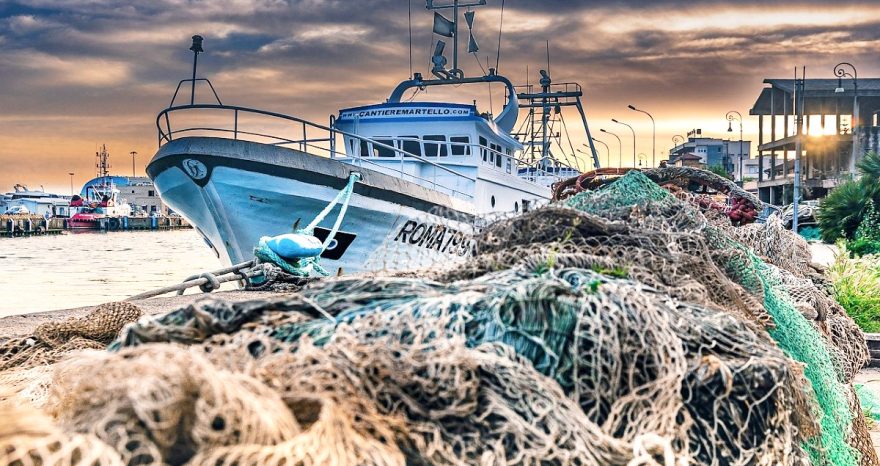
[{"x": 235, "y": 192}]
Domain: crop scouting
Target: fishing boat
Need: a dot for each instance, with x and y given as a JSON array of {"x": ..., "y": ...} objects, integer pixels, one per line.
[
  {"x": 98, "y": 199},
  {"x": 416, "y": 175}
]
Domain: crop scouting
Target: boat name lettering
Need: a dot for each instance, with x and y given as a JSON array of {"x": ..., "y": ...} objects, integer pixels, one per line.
[
  {"x": 391, "y": 112},
  {"x": 438, "y": 237}
]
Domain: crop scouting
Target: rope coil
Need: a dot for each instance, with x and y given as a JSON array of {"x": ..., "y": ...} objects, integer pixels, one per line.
[{"x": 304, "y": 267}]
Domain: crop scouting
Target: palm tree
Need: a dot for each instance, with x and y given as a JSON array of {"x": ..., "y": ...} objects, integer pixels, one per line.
[{"x": 844, "y": 208}]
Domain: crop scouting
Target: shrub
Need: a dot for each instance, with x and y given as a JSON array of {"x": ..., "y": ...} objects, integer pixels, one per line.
[
  {"x": 844, "y": 208},
  {"x": 856, "y": 282}
]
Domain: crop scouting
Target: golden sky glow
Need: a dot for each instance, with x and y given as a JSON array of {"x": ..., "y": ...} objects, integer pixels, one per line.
[{"x": 79, "y": 73}]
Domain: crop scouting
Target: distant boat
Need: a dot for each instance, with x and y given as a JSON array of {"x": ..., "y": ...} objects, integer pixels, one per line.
[
  {"x": 98, "y": 199},
  {"x": 23, "y": 200},
  {"x": 427, "y": 170}
]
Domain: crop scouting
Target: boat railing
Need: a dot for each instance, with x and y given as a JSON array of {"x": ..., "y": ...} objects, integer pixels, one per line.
[
  {"x": 509, "y": 163},
  {"x": 327, "y": 142}
]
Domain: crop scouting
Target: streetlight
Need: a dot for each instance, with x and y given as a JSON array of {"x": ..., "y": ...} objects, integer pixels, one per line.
[
  {"x": 607, "y": 152},
  {"x": 619, "y": 148},
  {"x": 634, "y": 138},
  {"x": 71, "y": 183},
  {"x": 731, "y": 116},
  {"x": 842, "y": 73},
  {"x": 132, "y": 154},
  {"x": 653, "y": 135},
  {"x": 677, "y": 140}
]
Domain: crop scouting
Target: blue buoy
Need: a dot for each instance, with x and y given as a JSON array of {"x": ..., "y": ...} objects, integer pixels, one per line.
[{"x": 295, "y": 246}]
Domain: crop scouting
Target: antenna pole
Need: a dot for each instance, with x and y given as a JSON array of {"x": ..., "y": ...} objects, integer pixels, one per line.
[
  {"x": 455, "y": 34},
  {"x": 548, "y": 57},
  {"x": 410, "y": 39},
  {"x": 196, "y": 47}
]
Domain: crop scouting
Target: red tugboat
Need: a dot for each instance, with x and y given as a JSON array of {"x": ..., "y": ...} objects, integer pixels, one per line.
[{"x": 98, "y": 201}]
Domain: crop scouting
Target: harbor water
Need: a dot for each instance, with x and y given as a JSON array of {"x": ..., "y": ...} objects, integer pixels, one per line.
[{"x": 43, "y": 273}]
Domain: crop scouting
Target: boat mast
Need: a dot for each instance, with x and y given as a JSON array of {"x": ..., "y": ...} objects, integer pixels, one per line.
[
  {"x": 103, "y": 165},
  {"x": 455, "y": 5}
]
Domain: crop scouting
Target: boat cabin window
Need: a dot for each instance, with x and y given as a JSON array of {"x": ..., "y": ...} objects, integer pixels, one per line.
[
  {"x": 497, "y": 154},
  {"x": 434, "y": 150},
  {"x": 379, "y": 151},
  {"x": 483, "y": 144},
  {"x": 365, "y": 151},
  {"x": 411, "y": 144},
  {"x": 461, "y": 145},
  {"x": 509, "y": 160}
]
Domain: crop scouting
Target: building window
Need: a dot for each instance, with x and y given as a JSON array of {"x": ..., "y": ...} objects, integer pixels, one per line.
[
  {"x": 462, "y": 146},
  {"x": 151, "y": 193}
]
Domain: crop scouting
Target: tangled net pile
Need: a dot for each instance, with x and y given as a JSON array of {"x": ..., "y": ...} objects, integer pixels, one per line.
[{"x": 625, "y": 326}]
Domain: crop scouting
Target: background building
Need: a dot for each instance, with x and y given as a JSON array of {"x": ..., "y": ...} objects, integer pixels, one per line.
[
  {"x": 138, "y": 191},
  {"x": 712, "y": 152},
  {"x": 839, "y": 127}
]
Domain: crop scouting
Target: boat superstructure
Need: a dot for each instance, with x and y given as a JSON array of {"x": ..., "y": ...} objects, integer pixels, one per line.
[
  {"x": 427, "y": 171},
  {"x": 24, "y": 200},
  {"x": 98, "y": 199}
]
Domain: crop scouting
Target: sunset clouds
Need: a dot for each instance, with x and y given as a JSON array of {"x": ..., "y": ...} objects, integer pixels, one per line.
[{"x": 76, "y": 73}]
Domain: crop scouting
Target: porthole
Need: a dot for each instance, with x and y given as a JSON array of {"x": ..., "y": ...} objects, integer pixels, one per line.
[
  {"x": 492, "y": 200},
  {"x": 516, "y": 206}
]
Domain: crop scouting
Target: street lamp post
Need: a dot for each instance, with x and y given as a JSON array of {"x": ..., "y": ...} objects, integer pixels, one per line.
[
  {"x": 607, "y": 152},
  {"x": 634, "y": 138},
  {"x": 731, "y": 116},
  {"x": 677, "y": 140},
  {"x": 642, "y": 158},
  {"x": 840, "y": 72},
  {"x": 619, "y": 148},
  {"x": 133, "y": 154},
  {"x": 71, "y": 183},
  {"x": 653, "y": 135}
]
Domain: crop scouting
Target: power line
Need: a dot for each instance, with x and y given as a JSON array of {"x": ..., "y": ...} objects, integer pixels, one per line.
[{"x": 500, "y": 28}]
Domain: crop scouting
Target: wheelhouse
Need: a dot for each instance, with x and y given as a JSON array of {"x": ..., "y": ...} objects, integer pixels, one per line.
[{"x": 451, "y": 135}]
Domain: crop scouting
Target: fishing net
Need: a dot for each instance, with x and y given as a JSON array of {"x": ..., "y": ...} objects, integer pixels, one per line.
[
  {"x": 627, "y": 325},
  {"x": 29, "y": 438},
  {"x": 438, "y": 237},
  {"x": 25, "y": 361}
]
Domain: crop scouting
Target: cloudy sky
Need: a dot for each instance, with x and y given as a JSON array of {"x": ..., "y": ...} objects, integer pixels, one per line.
[{"x": 78, "y": 73}]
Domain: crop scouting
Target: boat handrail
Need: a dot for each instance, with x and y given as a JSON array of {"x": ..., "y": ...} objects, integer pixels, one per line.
[
  {"x": 167, "y": 136},
  {"x": 477, "y": 150},
  {"x": 403, "y": 175}
]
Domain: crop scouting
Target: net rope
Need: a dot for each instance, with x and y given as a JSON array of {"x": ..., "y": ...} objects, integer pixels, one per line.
[{"x": 626, "y": 325}]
